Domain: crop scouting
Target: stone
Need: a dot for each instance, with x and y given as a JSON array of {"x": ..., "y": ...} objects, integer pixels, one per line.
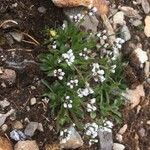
[
  {"x": 148, "y": 122},
  {"x": 147, "y": 26},
  {"x": 4, "y": 103},
  {"x": 33, "y": 101},
  {"x": 101, "y": 5},
  {"x": 118, "y": 18},
  {"x": 142, "y": 132},
  {"x": 75, "y": 141},
  {"x": 17, "y": 135},
  {"x": 136, "y": 22},
  {"x": 3, "y": 117},
  {"x": 89, "y": 22},
  {"x": 105, "y": 140},
  {"x": 119, "y": 137},
  {"x": 135, "y": 95},
  {"x": 123, "y": 129},
  {"x": 40, "y": 127},
  {"x": 31, "y": 128},
  {"x": 130, "y": 12},
  {"x": 4, "y": 127},
  {"x": 5, "y": 144},
  {"x": 8, "y": 75},
  {"x": 42, "y": 9},
  {"x": 146, "y": 6},
  {"x": 117, "y": 146},
  {"x": 125, "y": 33},
  {"x": 17, "y": 125},
  {"x": 26, "y": 145},
  {"x": 18, "y": 36}
]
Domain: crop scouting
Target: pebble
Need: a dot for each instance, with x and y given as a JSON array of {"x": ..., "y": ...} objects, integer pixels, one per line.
[
  {"x": 125, "y": 33},
  {"x": 142, "y": 132},
  {"x": 17, "y": 135},
  {"x": 146, "y": 6},
  {"x": 74, "y": 142},
  {"x": 147, "y": 26},
  {"x": 119, "y": 137},
  {"x": 17, "y": 125},
  {"x": 105, "y": 140},
  {"x": 118, "y": 18},
  {"x": 33, "y": 101},
  {"x": 123, "y": 129},
  {"x": 117, "y": 146},
  {"x": 8, "y": 75},
  {"x": 26, "y": 145},
  {"x": 136, "y": 23},
  {"x": 4, "y": 103},
  {"x": 31, "y": 128},
  {"x": 40, "y": 127},
  {"x": 42, "y": 9},
  {"x": 4, "y": 127},
  {"x": 5, "y": 144},
  {"x": 148, "y": 122},
  {"x": 18, "y": 36}
]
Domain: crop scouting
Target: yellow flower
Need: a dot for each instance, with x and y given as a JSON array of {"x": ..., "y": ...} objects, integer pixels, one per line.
[{"x": 53, "y": 33}]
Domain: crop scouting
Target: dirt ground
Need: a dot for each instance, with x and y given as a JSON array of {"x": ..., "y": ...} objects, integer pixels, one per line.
[{"x": 14, "y": 55}]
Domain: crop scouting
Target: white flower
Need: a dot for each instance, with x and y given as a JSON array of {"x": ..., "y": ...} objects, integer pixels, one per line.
[
  {"x": 67, "y": 102},
  {"x": 84, "y": 92},
  {"x": 72, "y": 83},
  {"x": 59, "y": 73},
  {"x": 54, "y": 46},
  {"x": 142, "y": 55}
]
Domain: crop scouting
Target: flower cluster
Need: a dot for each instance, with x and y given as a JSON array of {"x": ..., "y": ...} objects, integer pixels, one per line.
[
  {"x": 113, "y": 67},
  {"x": 107, "y": 126},
  {"x": 91, "y": 105},
  {"x": 91, "y": 130},
  {"x": 69, "y": 57},
  {"x": 68, "y": 102},
  {"x": 54, "y": 46},
  {"x": 72, "y": 83},
  {"x": 59, "y": 74},
  {"x": 65, "y": 135},
  {"x": 85, "y": 54},
  {"x": 98, "y": 74},
  {"x": 77, "y": 18},
  {"x": 84, "y": 92}
]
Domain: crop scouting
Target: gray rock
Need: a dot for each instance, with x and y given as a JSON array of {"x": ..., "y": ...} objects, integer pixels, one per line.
[
  {"x": 4, "y": 103},
  {"x": 75, "y": 141},
  {"x": 125, "y": 33},
  {"x": 42, "y": 9},
  {"x": 142, "y": 132},
  {"x": 146, "y": 6},
  {"x": 31, "y": 128},
  {"x": 89, "y": 22},
  {"x": 17, "y": 135},
  {"x": 18, "y": 36},
  {"x": 136, "y": 23},
  {"x": 105, "y": 140}
]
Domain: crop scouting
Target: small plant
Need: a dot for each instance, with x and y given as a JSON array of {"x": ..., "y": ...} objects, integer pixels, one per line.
[{"x": 87, "y": 76}]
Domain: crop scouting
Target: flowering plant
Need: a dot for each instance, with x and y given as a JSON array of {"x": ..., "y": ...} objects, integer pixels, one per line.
[{"x": 86, "y": 75}]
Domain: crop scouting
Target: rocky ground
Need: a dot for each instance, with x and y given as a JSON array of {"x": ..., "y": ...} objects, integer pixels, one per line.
[{"x": 24, "y": 113}]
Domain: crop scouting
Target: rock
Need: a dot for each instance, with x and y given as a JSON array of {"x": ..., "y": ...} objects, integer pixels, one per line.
[
  {"x": 147, "y": 69},
  {"x": 105, "y": 140},
  {"x": 31, "y": 128},
  {"x": 40, "y": 127},
  {"x": 101, "y": 5},
  {"x": 4, "y": 103},
  {"x": 147, "y": 26},
  {"x": 33, "y": 101},
  {"x": 134, "y": 95},
  {"x": 146, "y": 6},
  {"x": 52, "y": 147},
  {"x": 4, "y": 116},
  {"x": 5, "y": 144},
  {"x": 148, "y": 122},
  {"x": 18, "y": 36},
  {"x": 142, "y": 132},
  {"x": 125, "y": 33},
  {"x": 136, "y": 23},
  {"x": 123, "y": 129},
  {"x": 117, "y": 146},
  {"x": 17, "y": 125},
  {"x": 74, "y": 141},
  {"x": 119, "y": 137},
  {"x": 17, "y": 135},
  {"x": 8, "y": 75},
  {"x": 26, "y": 145},
  {"x": 42, "y": 9},
  {"x": 130, "y": 12},
  {"x": 4, "y": 127},
  {"x": 118, "y": 18},
  {"x": 89, "y": 22}
]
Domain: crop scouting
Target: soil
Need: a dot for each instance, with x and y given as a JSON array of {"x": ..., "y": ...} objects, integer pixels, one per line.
[{"x": 27, "y": 85}]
